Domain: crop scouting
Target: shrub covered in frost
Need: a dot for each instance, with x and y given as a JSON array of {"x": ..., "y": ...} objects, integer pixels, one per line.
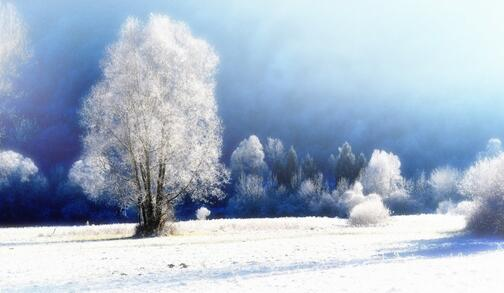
[
  {"x": 484, "y": 184},
  {"x": 202, "y": 213},
  {"x": 463, "y": 208},
  {"x": 371, "y": 211},
  {"x": 352, "y": 197}
]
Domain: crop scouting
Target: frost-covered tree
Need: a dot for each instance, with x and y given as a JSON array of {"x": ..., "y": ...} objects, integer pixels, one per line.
[
  {"x": 422, "y": 192},
  {"x": 347, "y": 165},
  {"x": 493, "y": 149},
  {"x": 13, "y": 45},
  {"x": 444, "y": 184},
  {"x": 152, "y": 122},
  {"x": 250, "y": 196},
  {"x": 91, "y": 174},
  {"x": 309, "y": 168},
  {"x": 275, "y": 155},
  {"x": 383, "y": 175},
  {"x": 248, "y": 157},
  {"x": 315, "y": 198},
  {"x": 290, "y": 174},
  {"x": 274, "y": 149},
  {"x": 14, "y": 166}
]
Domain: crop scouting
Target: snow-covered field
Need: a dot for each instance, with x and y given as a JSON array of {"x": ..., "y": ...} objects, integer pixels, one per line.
[{"x": 426, "y": 253}]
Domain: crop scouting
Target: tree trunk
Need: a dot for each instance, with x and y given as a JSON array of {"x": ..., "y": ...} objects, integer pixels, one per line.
[{"x": 152, "y": 223}]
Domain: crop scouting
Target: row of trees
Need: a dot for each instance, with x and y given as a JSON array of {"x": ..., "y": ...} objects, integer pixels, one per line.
[{"x": 270, "y": 181}]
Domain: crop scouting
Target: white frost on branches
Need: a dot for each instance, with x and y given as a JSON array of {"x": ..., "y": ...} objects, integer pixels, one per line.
[
  {"x": 153, "y": 116},
  {"x": 484, "y": 179},
  {"x": 91, "y": 174}
]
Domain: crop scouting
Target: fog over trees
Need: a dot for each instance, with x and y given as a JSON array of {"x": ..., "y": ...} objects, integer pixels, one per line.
[{"x": 152, "y": 150}]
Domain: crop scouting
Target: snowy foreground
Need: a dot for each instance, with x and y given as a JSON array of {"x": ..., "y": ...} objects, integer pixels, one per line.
[{"x": 426, "y": 253}]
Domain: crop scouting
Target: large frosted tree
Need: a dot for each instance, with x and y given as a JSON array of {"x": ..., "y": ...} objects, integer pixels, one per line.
[{"x": 153, "y": 134}]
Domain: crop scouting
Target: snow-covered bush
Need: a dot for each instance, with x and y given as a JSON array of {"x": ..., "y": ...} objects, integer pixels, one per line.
[
  {"x": 248, "y": 157},
  {"x": 352, "y": 197},
  {"x": 202, "y": 213},
  {"x": 371, "y": 211},
  {"x": 463, "y": 208},
  {"x": 484, "y": 184}
]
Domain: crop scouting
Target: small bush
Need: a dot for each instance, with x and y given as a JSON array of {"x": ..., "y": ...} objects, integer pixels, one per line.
[
  {"x": 202, "y": 213},
  {"x": 370, "y": 212}
]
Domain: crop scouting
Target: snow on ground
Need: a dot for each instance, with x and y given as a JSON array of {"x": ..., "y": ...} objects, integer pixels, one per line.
[{"x": 425, "y": 253}]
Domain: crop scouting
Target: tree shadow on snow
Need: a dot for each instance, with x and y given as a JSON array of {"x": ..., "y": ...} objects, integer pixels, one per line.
[{"x": 457, "y": 245}]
